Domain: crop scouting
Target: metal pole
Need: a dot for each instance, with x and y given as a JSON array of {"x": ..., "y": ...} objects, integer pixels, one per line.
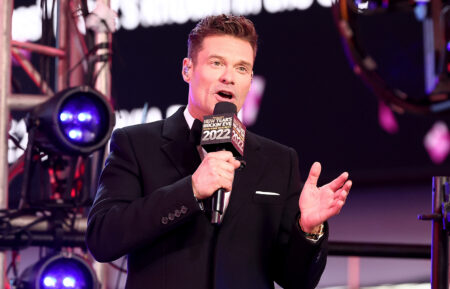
[
  {"x": 61, "y": 64},
  {"x": 42, "y": 49},
  {"x": 379, "y": 250},
  {"x": 103, "y": 82},
  {"x": 439, "y": 242},
  {"x": 6, "y": 7},
  {"x": 26, "y": 101},
  {"x": 103, "y": 85},
  {"x": 31, "y": 71}
]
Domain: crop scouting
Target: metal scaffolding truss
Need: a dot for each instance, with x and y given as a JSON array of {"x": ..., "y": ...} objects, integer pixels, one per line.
[{"x": 70, "y": 50}]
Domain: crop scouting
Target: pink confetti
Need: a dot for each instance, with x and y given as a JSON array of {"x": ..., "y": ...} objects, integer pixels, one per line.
[
  {"x": 250, "y": 110},
  {"x": 386, "y": 118},
  {"x": 437, "y": 142}
]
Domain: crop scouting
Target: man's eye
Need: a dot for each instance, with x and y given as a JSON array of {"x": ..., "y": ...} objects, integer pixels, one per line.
[
  {"x": 216, "y": 63},
  {"x": 242, "y": 69}
]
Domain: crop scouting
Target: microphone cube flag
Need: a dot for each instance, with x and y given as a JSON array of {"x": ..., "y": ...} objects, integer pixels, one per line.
[{"x": 223, "y": 132}]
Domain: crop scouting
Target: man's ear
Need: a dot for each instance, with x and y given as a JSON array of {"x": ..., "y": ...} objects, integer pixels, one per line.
[{"x": 187, "y": 69}]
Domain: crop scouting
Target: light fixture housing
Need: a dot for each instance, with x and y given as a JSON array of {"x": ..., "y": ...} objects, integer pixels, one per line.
[
  {"x": 75, "y": 121},
  {"x": 59, "y": 271}
]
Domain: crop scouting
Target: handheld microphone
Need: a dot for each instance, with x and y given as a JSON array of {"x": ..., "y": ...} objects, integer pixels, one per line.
[{"x": 222, "y": 131}]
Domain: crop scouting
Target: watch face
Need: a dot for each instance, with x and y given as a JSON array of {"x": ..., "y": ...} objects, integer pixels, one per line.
[{"x": 316, "y": 236}]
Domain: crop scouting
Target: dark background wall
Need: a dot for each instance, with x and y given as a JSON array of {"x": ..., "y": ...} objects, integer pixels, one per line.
[{"x": 312, "y": 101}]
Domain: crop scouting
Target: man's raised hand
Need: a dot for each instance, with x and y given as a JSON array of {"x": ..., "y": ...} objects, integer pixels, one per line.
[{"x": 318, "y": 204}]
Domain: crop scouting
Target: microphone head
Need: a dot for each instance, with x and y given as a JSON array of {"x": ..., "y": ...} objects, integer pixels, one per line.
[
  {"x": 223, "y": 130},
  {"x": 225, "y": 107}
]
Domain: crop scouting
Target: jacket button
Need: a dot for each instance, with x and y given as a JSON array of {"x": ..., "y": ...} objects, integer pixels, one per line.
[
  {"x": 171, "y": 216},
  {"x": 164, "y": 220},
  {"x": 184, "y": 209},
  {"x": 177, "y": 213}
]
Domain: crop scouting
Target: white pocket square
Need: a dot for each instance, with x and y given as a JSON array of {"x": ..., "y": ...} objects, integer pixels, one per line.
[{"x": 267, "y": 193}]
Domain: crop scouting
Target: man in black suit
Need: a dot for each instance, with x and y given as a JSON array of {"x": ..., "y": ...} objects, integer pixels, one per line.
[{"x": 150, "y": 203}]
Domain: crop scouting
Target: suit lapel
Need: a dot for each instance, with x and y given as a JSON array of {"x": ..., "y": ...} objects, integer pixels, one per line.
[
  {"x": 185, "y": 158},
  {"x": 182, "y": 153},
  {"x": 246, "y": 180}
]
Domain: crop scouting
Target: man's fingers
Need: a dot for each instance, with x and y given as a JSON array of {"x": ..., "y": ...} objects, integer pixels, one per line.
[
  {"x": 225, "y": 156},
  {"x": 226, "y": 174},
  {"x": 216, "y": 171},
  {"x": 224, "y": 167},
  {"x": 314, "y": 174},
  {"x": 225, "y": 179},
  {"x": 348, "y": 185},
  {"x": 335, "y": 208},
  {"x": 341, "y": 195},
  {"x": 221, "y": 155},
  {"x": 338, "y": 182},
  {"x": 236, "y": 164}
]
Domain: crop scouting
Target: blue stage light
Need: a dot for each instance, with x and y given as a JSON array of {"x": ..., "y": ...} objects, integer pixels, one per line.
[
  {"x": 49, "y": 282},
  {"x": 65, "y": 116},
  {"x": 66, "y": 272},
  {"x": 84, "y": 116},
  {"x": 86, "y": 126},
  {"x": 75, "y": 134},
  {"x": 59, "y": 272},
  {"x": 75, "y": 121},
  {"x": 69, "y": 282}
]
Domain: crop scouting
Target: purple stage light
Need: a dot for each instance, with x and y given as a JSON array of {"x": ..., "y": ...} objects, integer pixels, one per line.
[
  {"x": 84, "y": 116},
  {"x": 63, "y": 273},
  {"x": 81, "y": 118},
  {"x": 69, "y": 282},
  {"x": 49, "y": 282},
  {"x": 420, "y": 11},
  {"x": 75, "y": 121},
  {"x": 75, "y": 134},
  {"x": 65, "y": 116}
]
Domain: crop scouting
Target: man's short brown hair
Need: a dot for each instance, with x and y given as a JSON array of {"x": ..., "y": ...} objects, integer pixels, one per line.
[{"x": 237, "y": 26}]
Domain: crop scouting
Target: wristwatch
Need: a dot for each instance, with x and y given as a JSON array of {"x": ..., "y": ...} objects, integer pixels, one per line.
[{"x": 314, "y": 236}]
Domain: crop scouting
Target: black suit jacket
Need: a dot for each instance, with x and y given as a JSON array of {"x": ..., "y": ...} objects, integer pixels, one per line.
[{"x": 145, "y": 209}]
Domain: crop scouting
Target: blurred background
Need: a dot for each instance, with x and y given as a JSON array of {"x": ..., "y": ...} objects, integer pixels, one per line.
[{"x": 305, "y": 94}]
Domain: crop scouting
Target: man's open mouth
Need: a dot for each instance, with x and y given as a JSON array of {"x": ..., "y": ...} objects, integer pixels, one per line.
[{"x": 225, "y": 94}]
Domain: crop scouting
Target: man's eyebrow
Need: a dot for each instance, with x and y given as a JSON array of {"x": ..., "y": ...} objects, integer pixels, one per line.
[
  {"x": 245, "y": 63},
  {"x": 216, "y": 56},
  {"x": 242, "y": 62}
]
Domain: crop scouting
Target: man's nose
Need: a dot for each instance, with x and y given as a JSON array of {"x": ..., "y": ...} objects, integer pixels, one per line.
[{"x": 227, "y": 76}]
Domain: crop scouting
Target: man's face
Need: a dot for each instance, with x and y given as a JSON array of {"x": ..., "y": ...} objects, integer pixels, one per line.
[{"x": 222, "y": 71}]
